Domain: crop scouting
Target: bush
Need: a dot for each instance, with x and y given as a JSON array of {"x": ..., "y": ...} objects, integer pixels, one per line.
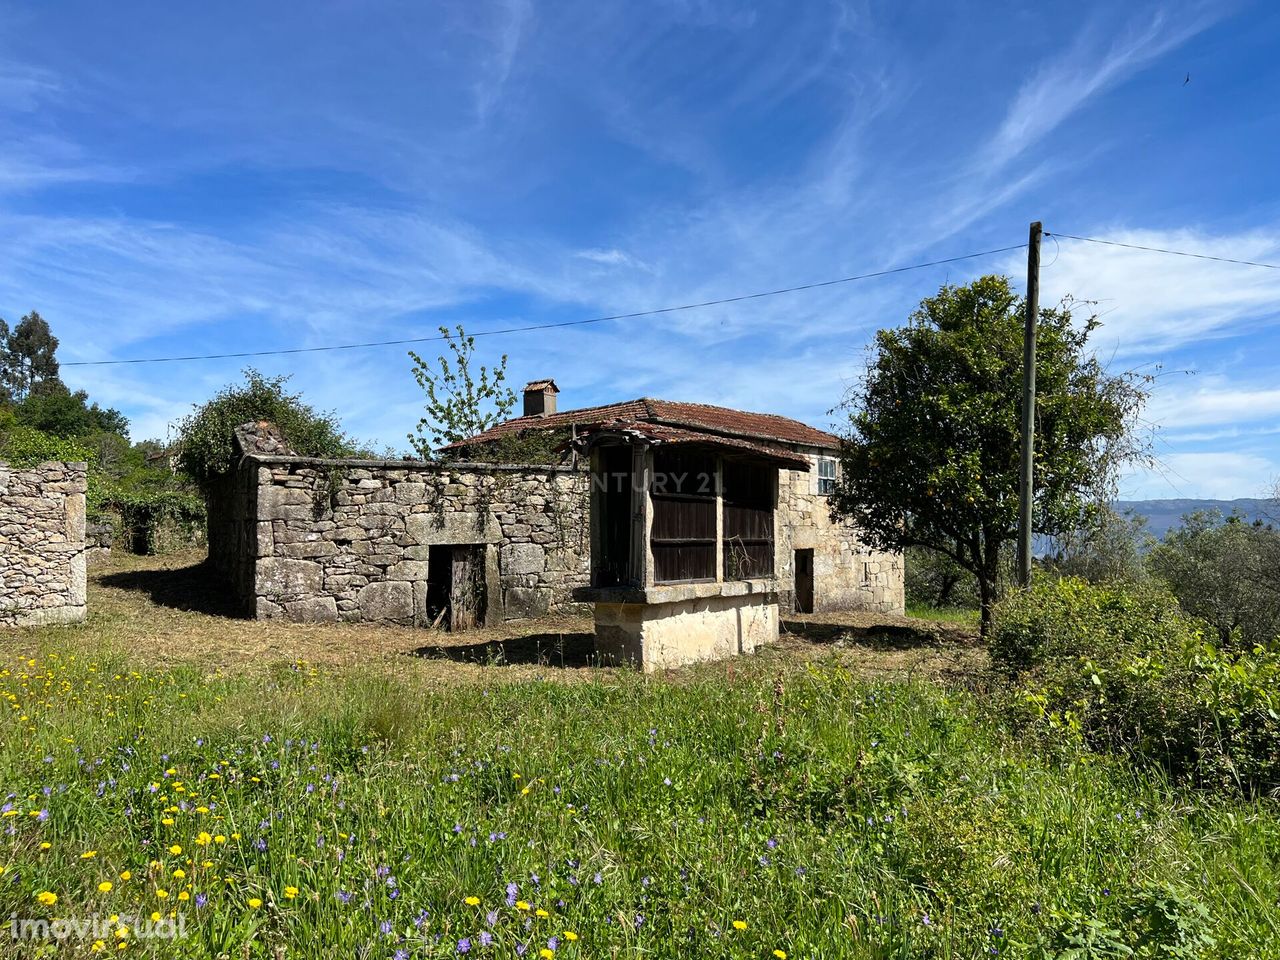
[
  {"x": 206, "y": 437},
  {"x": 158, "y": 522},
  {"x": 1227, "y": 571},
  {"x": 1127, "y": 670}
]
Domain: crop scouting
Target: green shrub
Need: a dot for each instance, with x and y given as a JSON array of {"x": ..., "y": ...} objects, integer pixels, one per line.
[
  {"x": 1127, "y": 670},
  {"x": 207, "y": 437},
  {"x": 155, "y": 522}
]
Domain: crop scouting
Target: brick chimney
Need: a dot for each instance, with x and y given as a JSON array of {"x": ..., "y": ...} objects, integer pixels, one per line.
[{"x": 540, "y": 398}]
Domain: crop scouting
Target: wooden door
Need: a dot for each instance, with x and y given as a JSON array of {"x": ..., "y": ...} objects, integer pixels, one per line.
[
  {"x": 804, "y": 581},
  {"x": 466, "y": 592}
]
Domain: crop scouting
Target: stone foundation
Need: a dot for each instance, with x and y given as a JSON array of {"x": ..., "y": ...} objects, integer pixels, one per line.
[
  {"x": 665, "y": 627},
  {"x": 42, "y": 545}
]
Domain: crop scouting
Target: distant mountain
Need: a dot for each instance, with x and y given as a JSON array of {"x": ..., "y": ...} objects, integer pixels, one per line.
[{"x": 1164, "y": 514}]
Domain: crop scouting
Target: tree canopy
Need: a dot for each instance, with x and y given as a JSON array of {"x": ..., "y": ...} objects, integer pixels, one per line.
[
  {"x": 460, "y": 402},
  {"x": 932, "y": 454},
  {"x": 206, "y": 437}
]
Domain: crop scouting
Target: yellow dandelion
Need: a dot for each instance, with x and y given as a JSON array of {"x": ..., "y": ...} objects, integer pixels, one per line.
[
  {"x": 739, "y": 924},
  {"x": 126, "y": 875},
  {"x": 162, "y": 894},
  {"x": 156, "y": 916},
  {"x": 184, "y": 896},
  {"x": 179, "y": 874},
  {"x": 46, "y": 845},
  {"x": 167, "y": 821},
  {"x": 88, "y": 854},
  {"x": 472, "y": 901},
  {"x": 122, "y": 932},
  {"x": 541, "y": 913},
  {"x": 546, "y": 953},
  {"x": 98, "y": 946},
  {"x": 105, "y": 886},
  {"x": 47, "y": 898},
  {"x": 175, "y": 849},
  {"x": 290, "y": 892},
  {"x": 203, "y": 840},
  {"x": 522, "y": 905},
  {"x": 254, "y": 903},
  {"x": 219, "y": 839},
  {"x": 780, "y": 954},
  {"x": 570, "y": 936}
]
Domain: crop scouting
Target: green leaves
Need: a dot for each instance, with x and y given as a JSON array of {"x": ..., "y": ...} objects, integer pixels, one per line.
[
  {"x": 932, "y": 456},
  {"x": 206, "y": 437},
  {"x": 459, "y": 403}
]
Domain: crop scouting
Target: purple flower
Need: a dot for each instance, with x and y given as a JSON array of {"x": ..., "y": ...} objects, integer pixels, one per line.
[
  {"x": 400, "y": 954},
  {"x": 201, "y": 900},
  {"x": 491, "y": 918},
  {"x": 464, "y": 945},
  {"x": 553, "y": 943},
  {"x": 344, "y": 897},
  {"x": 486, "y": 939},
  {"x": 512, "y": 892},
  {"x": 385, "y": 926}
]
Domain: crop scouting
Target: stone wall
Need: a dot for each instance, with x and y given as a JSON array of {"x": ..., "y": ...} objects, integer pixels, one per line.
[
  {"x": 847, "y": 575},
  {"x": 326, "y": 540},
  {"x": 42, "y": 545}
]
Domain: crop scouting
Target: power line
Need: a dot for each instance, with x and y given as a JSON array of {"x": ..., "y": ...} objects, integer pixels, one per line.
[
  {"x": 551, "y": 326},
  {"x": 1176, "y": 253}
]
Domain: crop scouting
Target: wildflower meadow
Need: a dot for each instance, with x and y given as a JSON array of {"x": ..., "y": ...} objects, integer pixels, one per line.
[{"x": 771, "y": 810}]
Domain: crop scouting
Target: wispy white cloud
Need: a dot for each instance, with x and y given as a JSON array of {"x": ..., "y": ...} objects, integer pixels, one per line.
[
  {"x": 1212, "y": 475},
  {"x": 1153, "y": 303},
  {"x": 1100, "y": 57}
]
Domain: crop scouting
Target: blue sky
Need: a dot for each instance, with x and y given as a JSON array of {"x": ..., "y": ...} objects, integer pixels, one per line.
[{"x": 237, "y": 176}]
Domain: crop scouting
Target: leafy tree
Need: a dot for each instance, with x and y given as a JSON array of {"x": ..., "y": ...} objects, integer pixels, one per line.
[
  {"x": 27, "y": 356},
  {"x": 206, "y": 438},
  {"x": 932, "y": 457},
  {"x": 1224, "y": 571},
  {"x": 1112, "y": 549},
  {"x": 459, "y": 402},
  {"x": 55, "y": 409},
  {"x": 933, "y": 578}
]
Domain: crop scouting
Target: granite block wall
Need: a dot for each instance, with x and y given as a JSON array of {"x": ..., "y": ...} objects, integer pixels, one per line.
[{"x": 42, "y": 544}]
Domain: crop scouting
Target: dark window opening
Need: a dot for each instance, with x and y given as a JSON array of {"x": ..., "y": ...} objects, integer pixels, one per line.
[
  {"x": 748, "y": 520},
  {"x": 683, "y": 537},
  {"x": 614, "y": 482}
]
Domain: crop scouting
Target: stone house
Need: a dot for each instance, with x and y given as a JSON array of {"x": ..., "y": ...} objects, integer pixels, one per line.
[{"x": 466, "y": 541}]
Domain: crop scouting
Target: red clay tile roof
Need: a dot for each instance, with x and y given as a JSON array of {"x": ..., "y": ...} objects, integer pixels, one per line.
[
  {"x": 697, "y": 416},
  {"x": 660, "y": 433}
]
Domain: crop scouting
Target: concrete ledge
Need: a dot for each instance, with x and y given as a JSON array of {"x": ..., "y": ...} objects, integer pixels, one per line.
[
  {"x": 677, "y": 592},
  {"x": 658, "y": 636}
]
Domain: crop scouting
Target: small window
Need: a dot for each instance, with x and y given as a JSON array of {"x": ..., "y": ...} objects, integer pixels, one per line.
[{"x": 826, "y": 476}]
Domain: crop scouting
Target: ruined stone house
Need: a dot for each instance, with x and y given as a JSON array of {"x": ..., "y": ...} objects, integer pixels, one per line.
[{"x": 467, "y": 541}]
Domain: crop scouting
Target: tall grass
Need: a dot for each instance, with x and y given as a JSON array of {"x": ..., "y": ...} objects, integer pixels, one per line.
[{"x": 359, "y": 813}]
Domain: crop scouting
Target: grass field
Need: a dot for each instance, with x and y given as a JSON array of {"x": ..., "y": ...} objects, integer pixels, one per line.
[{"x": 350, "y": 791}]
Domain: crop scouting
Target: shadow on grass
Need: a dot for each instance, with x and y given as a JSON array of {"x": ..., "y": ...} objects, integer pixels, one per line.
[
  {"x": 197, "y": 588},
  {"x": 568, "y": 650},
  {"x": 879, "y": 637}
]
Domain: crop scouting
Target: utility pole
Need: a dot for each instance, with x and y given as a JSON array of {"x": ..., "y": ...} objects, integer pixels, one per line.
[{"x": 1027, "y": 490}]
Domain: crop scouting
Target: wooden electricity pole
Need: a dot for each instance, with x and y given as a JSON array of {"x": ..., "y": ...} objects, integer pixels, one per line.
[{"x": 1026, "y": 493}]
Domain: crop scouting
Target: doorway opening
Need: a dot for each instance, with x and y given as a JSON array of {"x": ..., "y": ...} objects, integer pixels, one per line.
[
  {"x": 804, "y": 581},
  {"x": 455, "y": 586}
]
